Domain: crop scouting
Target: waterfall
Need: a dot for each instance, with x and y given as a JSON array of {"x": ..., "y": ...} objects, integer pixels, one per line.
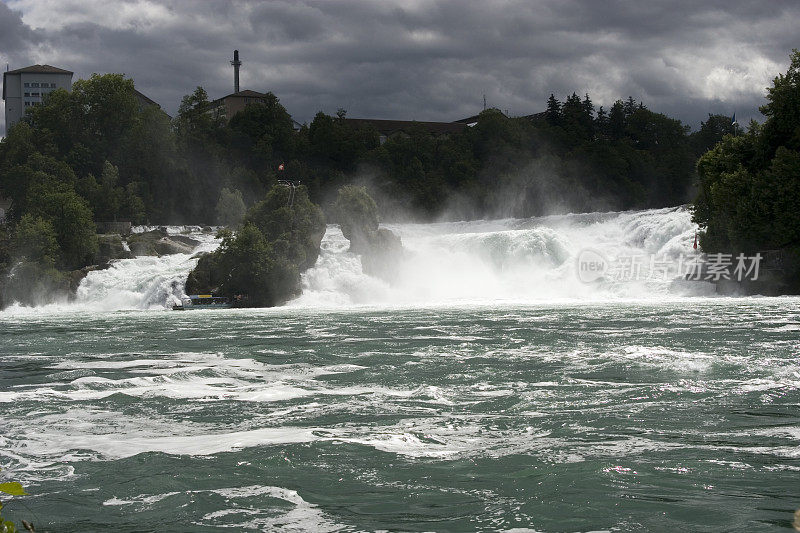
[
  {"x": 513, "y": 260},
  {"x": 510, "y": 260}
]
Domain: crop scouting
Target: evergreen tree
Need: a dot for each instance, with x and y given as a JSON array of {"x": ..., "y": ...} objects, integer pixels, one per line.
[{"x": 553, "y": 113}]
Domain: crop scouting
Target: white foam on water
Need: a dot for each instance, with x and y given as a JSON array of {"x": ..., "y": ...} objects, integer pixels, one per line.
[
  {"x": 194, "y": 376},
  {"x": 249, "y": 505},
  {"x": 145, "y": 282},
  {"x": 165, "y": 437},
  {"x": 662, "y": 357}
]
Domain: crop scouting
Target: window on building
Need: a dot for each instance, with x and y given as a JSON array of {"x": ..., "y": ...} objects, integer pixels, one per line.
[
  {"x": 27, "y": 94},
  {"x": 34, "y": 94},
  {"x": 52, "y": 85},
  {"x": 27, "y": 85}
]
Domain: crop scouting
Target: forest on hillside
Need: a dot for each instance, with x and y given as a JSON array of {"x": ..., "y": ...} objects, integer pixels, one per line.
[{"x": 98, "y": 148}]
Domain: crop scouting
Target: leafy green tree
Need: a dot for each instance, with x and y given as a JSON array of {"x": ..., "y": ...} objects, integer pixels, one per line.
[
  {"x": 553, "y": 113},
  {"x": 750, "y": 184},
  {"x": 248, "y": 260},
  {"x": 261, "y": 264},
  {"x": 94, "y": 116},
  {"x": 711, "y": 132},
  {"x": 263, "y": 133},
  {"x": 335, "y": 143},
  {"x": 72, "y": 219},
  {"x": 782, "y": 127},
  {"x": 616, "y": 120},
  {"x": 35, "y": 241},
  {"x": 291, "y": 223}
]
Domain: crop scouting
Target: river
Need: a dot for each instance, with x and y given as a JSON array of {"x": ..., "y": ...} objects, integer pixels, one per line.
[{"x": 486, "y": 388}]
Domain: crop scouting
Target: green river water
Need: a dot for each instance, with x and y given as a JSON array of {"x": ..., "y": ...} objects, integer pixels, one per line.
[{"x": 625, "y": 415}]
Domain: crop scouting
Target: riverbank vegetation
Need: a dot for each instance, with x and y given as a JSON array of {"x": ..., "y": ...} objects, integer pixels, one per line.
[{"x": 749, "y": 184}]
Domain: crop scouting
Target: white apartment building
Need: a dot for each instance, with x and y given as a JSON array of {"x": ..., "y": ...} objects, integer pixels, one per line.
[{"x": 25, "y": 87}]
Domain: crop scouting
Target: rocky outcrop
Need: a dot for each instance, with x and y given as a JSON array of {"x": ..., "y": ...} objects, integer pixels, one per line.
[
  {"x": 111, "y": 246},
  {"x": 380, "y": 249},
  {"x": 203, "y": 278},
  {"x": 169, "y": 245},
  {"x": 158, "y": 242},
  {"x": 76, "y": 276},
  {"x": 260, "y": 265}
]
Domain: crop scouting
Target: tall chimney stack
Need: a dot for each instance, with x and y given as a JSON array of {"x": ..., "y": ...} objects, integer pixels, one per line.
[{"x": 236, "y": 64}]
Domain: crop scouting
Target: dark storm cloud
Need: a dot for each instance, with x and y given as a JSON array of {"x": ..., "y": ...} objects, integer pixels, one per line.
[
  {"x": 15, "y": 35},
  {"x": 424, "y": 60},
  {"x": 15, "y": 38}
]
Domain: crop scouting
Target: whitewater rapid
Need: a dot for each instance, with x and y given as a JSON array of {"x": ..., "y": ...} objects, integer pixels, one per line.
[
  {"x": 475, "y": 262},
  {"x": 510, "y": 260}
]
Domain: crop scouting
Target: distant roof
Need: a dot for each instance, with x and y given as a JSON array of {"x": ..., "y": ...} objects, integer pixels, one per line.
[
  {"x": 40, "y": 69},
  {"x": 536, "y": 116},
  {"x": 146, "y": 99},
  {"x": 388, "y": 127},
  {"x": 247, "y": 93},
  {"x": 469, "y": 120}
]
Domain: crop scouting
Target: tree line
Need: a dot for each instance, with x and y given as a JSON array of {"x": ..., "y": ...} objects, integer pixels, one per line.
[{"x": 130, "y": 162}]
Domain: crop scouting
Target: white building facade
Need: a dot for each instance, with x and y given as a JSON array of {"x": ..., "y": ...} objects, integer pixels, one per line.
[{"x": 26, "y": 87}]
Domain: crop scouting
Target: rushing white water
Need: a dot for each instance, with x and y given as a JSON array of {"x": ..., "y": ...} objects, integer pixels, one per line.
[
  {"x": 519, "y": 260},
  {"x": 145, "y": 282},
  {"x": 511, "y": 260}
]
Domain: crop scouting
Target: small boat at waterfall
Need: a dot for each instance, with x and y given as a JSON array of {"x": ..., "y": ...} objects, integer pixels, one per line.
[{"x": 202, "y": 301}]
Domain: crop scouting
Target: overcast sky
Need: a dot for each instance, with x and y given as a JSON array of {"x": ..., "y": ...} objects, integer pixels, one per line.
[{"x": 420, "y": 60}]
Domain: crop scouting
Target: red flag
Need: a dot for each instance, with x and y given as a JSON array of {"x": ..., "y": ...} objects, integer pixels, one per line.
[
  {"x": 695, "y": 240},
  {"x": 280, "y": 167}
]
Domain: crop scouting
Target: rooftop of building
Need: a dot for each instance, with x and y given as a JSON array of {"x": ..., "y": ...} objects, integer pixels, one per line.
[
  {"x": 247, "y": 93},
  {"x": 146, "y": 98},
  {"x": 39, "y": 69},
  {"x": 34, "y": 69}
]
